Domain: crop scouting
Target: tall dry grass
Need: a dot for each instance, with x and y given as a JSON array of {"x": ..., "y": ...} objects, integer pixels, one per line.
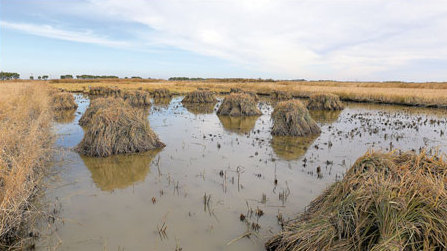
[
  {"x": 415, "y": 94},
  {"x": 25, "y": 149}
]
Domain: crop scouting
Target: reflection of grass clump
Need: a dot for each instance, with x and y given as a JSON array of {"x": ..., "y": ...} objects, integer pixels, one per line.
[
  {"x": 239, "y": 125},
  {"x": 199, "y": 108},
  {"x": 291, "y": 118},
  {"x": 119, "y": 171},
  {"x": 291, "y": 148},
  {"x": 385, "y": 202},
  {"x": 238, "y": 104},
  {"x": 324, "y": 116}
]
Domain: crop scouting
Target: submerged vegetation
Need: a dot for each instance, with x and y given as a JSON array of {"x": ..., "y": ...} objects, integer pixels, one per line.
[
  {"x": 325, "y": 101},
  {"x": 386, "y": 201},
  {"x": 239, "y": 104},
  {"x": 200, "y": 96},
  {"x": 291, "y": 118},
  {"x": 26, "y": 147},
  {"x": 118, "y": 129}
]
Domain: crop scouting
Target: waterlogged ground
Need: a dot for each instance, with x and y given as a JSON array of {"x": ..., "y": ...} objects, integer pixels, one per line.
[{"x": 191, "y": 194}]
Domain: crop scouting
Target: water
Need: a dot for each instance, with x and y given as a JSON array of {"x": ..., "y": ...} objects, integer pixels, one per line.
[{"x": 155, "y": 201}]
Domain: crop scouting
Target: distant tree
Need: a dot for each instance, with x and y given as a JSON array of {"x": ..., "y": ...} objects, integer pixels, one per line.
[
  {"x": 66, "y": 76},
  {"x": 9, "y": 75},
  {"x": 45, "y": 77},
  {"x": 136, "y": 77},
  {"x": 40, "y": 78},
  {"x": 31, "y": 77}
]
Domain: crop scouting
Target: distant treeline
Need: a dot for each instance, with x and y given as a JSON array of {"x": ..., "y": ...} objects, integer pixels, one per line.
[
  {"x": 222, "y": 79},
  {"x": 85, "y": 76},
  {"x": 9, "y": 75}
]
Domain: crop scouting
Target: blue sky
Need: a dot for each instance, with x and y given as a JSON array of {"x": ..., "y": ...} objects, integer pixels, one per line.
[{"x": 311, "y": 39}]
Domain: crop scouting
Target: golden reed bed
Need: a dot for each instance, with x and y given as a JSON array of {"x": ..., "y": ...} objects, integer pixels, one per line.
[
  {"x": 26, "y": 143},
  {"x": 417, "y": 94}
]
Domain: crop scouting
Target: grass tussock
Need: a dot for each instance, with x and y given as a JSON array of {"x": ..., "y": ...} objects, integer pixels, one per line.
[
  {"x": 200, "y": 96},
  {"x": 63, "y": 101},
  {"x": 25, "y": 151},
  {"x": 137, "y": 98},
  {"x": 291, "y": 118},
  {"x": 98, "y": 104},
  {"x": 325, "y": 101},
  {"x": 239, "y": 104},
  {"x": 281, "y": 95},
  {"x": 162, "y": 93},
  {"x": 118, "y": 129},
  {"x": 251, "y": 93},
  {"x": 386, "y": 201},
  {"x": 105, "y": 91}
]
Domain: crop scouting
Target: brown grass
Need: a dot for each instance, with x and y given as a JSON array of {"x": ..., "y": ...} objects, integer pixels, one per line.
[
  {"x": 239, "y": 104},
  {"x": 26, "y": 146},
  {"x": 401, "y": 93},
  {"x": 281, "y": 95},
  {"x": 137, "y": 98},
  {"x": 325, "y": 101},
  {"x": 386, "y": 201},
  {"x": 199, "y": 96},
  {"x": 162, "y": 93},
  {"x": 291, "y": 118},
  {"x": 63, "y": 101},
  {"x": 96, "y": 105},
  {"x": 118, "y": 129}
]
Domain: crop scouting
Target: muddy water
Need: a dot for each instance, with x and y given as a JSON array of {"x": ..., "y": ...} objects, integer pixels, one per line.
[{"x": 155, "y": 201}]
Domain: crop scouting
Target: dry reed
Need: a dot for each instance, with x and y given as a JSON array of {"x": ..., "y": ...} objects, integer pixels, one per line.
[
  {"x": 118, "y": 129},
  {"x": 200, "y": 96},
  {"x": 386, "y": 201},
  {"x": 238, "y": 104},
  {"x": 325, "y": 101},
  {"x": 26, "y": 146},
  {"x": 291, "y": 118}
]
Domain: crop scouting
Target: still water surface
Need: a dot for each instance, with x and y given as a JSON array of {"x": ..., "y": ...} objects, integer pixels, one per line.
[{"x": 155, "y": 200}]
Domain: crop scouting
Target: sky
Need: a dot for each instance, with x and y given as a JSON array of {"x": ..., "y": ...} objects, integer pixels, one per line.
[{"x": 353, "y": 40}]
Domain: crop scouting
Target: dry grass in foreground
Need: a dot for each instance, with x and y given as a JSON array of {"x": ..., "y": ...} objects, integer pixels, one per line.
[
  {"x": 386, "y": 201},
  {"x": 25, "y": 149},
  {"x": 400, "y": 93}
]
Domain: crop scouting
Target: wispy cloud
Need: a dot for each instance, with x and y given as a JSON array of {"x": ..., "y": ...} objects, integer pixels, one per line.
[
  {"x": 313, "y": 39},
  {"x": 86, "y": 36}
]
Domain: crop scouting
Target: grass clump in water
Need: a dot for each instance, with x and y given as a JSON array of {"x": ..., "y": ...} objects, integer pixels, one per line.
[
  {"x": 200, "y": 96},
  {"x": 386, "y": 201},
  {"x": 162, "y": 93},
  {"x": 325, "y": 101},
  {"x": 63, "y": 101},
  {"x": 291, "y": 118},
  {"x": 238, "y": 104},
  {"x": 281, "y": 95},
  {"x": 137, "y": 98},
  {"x": 96, "y": 105},
  {"x": 118, "y": 129},
  {"x": 105, "y": 91}
]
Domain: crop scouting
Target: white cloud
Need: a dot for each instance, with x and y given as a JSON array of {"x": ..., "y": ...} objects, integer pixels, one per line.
[
  {"x": 307, "y": 38},
  {"x": 86, "y": 36}
]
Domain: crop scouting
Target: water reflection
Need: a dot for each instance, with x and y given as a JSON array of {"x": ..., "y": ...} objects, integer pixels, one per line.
[
  {"x": 64, "y": 116},
  {"x": 119, "y": 171},
  {"x": 324, "y": 116},
  {"x": 291, "y": 148},
  {"x": 240, "y": 125},
  {"x": 162, "y": 102},
  {"x": 199, "y": 108}
]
